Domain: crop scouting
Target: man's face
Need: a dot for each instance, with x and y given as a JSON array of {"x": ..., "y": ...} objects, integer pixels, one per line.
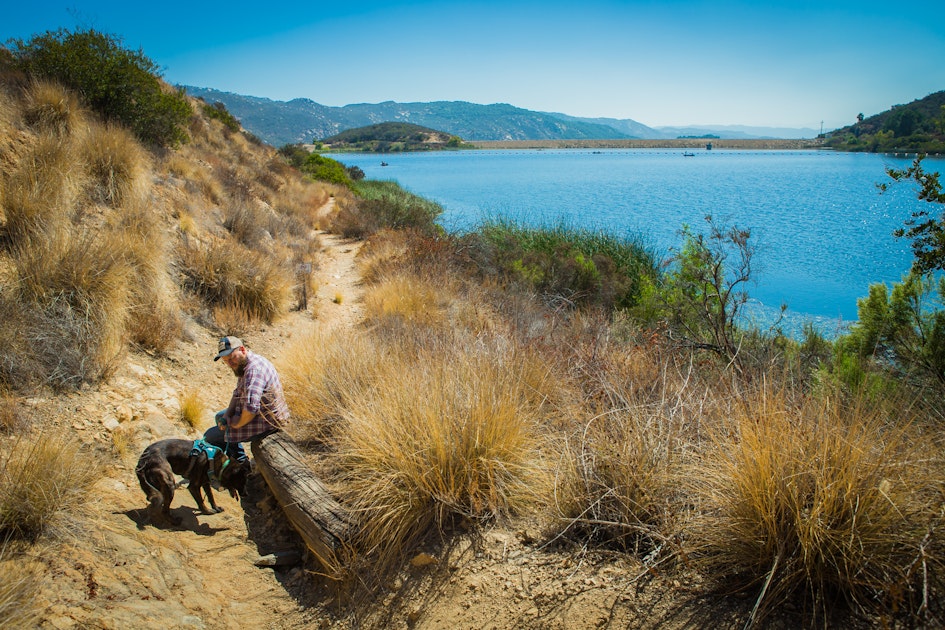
[{"x": 236, "y": 360}]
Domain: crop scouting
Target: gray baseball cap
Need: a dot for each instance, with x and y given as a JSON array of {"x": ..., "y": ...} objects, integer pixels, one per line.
[{"x": 227, "y": 345}]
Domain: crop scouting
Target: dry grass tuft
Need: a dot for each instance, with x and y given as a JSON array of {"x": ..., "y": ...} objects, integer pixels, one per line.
[
  {"x": 70, "y": 305},
  {"x": 39, "y": 194},
  {"x": 617, "y": 483},
  {"x": 443, "y": 438},
  {"x": 51, "y": 107},
  {"x": 192, "y": 407},
  {"x": 406, "y": 298},
  {"x": 228, "y": 274},
  {"x": 323, "y": 374},
  {"x": 19, "y": 590},
  {"x": 816, "y": 499},
  {"x": 116, "y": 164},
  {"x": 44, "y": 480}
]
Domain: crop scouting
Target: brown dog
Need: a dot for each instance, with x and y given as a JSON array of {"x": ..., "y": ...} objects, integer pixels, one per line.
[{"x": 162, "y": 460}]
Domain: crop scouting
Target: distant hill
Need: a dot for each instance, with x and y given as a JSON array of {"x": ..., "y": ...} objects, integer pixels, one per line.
[
  {"x": 304, "y": 121},
  {"x": 393, "y": 136},
  {"x": 918, "y": 126}
]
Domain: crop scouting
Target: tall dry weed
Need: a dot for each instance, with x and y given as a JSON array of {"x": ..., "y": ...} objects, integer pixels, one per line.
[
  {"x": 50, "y": 107},
  {"x": 116, "y": 164},
  {"x": 445, "y": 437},
  {"x": 44, "y": 482},
  {"x": 39, "y": 194},
  {"x": 822, "y": 500}
]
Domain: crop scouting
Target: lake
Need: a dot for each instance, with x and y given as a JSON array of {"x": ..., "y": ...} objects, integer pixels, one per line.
[{"x": 823, "y": 230}]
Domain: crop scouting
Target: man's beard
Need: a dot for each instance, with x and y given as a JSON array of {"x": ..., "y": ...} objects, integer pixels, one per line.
[{"x": 241, "y": 367}]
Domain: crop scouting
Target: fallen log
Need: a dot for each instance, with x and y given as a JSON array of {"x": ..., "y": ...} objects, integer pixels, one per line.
[{"x": 323, "y": 523}]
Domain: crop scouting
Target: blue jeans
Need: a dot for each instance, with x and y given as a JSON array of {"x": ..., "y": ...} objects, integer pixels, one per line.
[{"x": 214, "y": 436}]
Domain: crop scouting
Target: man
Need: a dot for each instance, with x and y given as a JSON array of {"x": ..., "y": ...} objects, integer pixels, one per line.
[{"x": 257, "y": 406}]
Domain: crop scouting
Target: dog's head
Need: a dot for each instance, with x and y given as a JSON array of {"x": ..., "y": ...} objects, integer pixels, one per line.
[{"x": 233, "y": 475}]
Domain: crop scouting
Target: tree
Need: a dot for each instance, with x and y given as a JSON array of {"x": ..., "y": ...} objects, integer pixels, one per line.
[
  {"x": 926, "y": 231},
  {"x": 705, "y": 292},
  {"x": 120, "y": 84},
  {"x": 904, "y": 328}
]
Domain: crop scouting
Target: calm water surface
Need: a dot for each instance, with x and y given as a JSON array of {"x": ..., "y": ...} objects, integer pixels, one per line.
[{"x": 823, "y": 230}]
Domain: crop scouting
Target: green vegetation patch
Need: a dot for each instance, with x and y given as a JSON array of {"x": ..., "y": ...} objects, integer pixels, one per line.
[
  {"x": 580, "y": 265},
  {"x": 120, "y": 84}
]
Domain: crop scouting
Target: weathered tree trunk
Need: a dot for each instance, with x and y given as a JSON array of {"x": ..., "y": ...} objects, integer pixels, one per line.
[{"x": 323, "y": 523}]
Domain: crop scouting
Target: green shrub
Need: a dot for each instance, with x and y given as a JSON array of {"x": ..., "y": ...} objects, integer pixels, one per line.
[
  {"x": 122, "y": 85},
  {"x": 218, "y": 111},
  {"x": 578, "y": 265},
  {"x": 325, "y": 169}
]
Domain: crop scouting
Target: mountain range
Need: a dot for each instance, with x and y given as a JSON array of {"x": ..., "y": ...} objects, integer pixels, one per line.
[{"x": 302, "y": 120}]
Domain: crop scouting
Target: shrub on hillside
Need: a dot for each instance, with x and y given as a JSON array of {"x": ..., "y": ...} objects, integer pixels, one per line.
[
  {"x": 228, "y": 274},
  {"x": 325, "y": 169},
  {"x": 218, "y": 111},
  {"x": 385, "y": 205},
  {"x": 122, "y": 85}
]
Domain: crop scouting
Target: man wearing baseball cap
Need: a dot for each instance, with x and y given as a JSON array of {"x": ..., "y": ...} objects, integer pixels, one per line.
[{"x": 257, "y": 406}]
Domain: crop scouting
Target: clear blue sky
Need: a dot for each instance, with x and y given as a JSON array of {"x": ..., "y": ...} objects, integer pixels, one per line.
[{"x": 676, "y": 62}]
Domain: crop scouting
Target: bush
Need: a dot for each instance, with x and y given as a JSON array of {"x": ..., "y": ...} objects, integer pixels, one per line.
[
  {"x": 325, "y": 170},
  {"x": 573, "y": 265},
  {"x": 818, "y": 500},
  {"x": 120, "y": 84},
  {"x": 42, "y": 481},
  {"x": 218, "y": 111}
]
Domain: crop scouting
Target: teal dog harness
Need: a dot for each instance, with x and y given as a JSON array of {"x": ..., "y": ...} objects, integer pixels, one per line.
[{"x": 202, "y": 446}]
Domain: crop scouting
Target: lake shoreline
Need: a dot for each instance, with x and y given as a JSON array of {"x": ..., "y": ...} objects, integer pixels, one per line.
[{"x": 677, "y": 143}]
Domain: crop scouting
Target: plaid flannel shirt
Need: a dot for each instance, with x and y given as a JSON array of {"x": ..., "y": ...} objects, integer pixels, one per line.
[{"x": 258, "y": 390}]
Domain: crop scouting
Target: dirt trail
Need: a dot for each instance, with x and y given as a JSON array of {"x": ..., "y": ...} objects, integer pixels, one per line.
[{"x": 203, "y": 573}]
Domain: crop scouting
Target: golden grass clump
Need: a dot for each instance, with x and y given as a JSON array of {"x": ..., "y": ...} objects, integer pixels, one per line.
[
  {"x": 617, "y": 483},
  {"x": 192, "y": 407},
  {"x": 51, "y": 107},
  {"x": 406, "y": 298},
  {"x": 323, "y": 374},
  {"x": 39, "y": 194},
  {"x": 226, "y": 273},
  {"x": 71, "y": 307},
  {"x": 441, "y": 439},
  {"x": 44, "y": 481},
  {"x": 816, "y": 499},
  {"x": 19, "y": 589},
  {"x": 116, "y": 164}
]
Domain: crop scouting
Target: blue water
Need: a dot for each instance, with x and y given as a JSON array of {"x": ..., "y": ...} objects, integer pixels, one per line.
[{"x": 824, "y": 232}]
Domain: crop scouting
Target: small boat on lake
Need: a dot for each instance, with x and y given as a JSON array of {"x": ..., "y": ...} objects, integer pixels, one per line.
[
  {"x": 688, "y": 154},
  {"x": 383, "y": 163}
]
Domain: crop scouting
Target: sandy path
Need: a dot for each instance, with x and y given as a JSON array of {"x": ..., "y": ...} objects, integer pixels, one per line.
[{"x": 128, "y": 573}]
